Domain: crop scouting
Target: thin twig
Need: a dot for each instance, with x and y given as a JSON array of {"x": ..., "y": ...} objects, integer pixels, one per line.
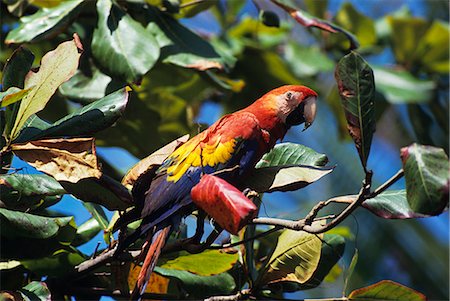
[{"x": 387, "y": 184}]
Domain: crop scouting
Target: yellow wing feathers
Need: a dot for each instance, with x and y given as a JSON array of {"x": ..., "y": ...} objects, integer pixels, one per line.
[{"x": 195, "y": 153}]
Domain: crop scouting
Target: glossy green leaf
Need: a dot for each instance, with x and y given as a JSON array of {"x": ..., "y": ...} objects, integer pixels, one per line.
[
  {"x": 24, "y": 191},
  {"x": 36, "y": 291},
  {"x": 312, "y": 61},
  {"x": 427, "y": 178},
  {"x": 58, "y": 265},
  {"x": 391, "y": 204},
  {"x": 25, "y": 235},
  {"x": 357, "y": 89},
  {"x": 292, "y": 153},
  {"x": 98, "y": 213},
  {"x": 179, "y": 45},
  {"x": 104, "y": 191},
  {"x": 196, "y": 286},
  {"x": 386, "y": 290},
  {"x": 86, "y": 231},
  {"x": 121, "y": 45},
  {"x": 57, "y": 66},
  {"x": 200, "y": 264},
  {"x": 399, "y": 86},
  {"x": 285, "y": 178},
  {"x": 87, "y": 120},
  {"x": 14, "y": 72},
  {"x": 12, "y": 95},
  {"x": 46, "y": 22},
  {"x": 295, "y": 258}
]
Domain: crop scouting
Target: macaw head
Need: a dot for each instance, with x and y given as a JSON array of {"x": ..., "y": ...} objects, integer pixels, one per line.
[{"x": 292, "y": 104}]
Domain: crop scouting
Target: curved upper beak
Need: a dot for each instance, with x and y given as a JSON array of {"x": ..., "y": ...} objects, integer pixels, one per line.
[{"x": 309, "y": 111}]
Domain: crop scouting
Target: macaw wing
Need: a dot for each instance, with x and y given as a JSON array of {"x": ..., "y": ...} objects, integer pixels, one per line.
[{"x": 233, "y": 140}]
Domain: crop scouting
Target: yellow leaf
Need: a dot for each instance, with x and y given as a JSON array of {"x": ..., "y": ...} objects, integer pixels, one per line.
[
  {"x": 156, "y": 285},
  {"x": 16, "y": 96},
  {"x": 155, "y": 159},
  {"x": 64, "y": 159},
  {"x": 57, "y": 66}
]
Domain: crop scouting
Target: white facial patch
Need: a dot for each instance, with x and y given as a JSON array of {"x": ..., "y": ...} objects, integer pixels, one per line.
[{"x": 287, "y": 104}]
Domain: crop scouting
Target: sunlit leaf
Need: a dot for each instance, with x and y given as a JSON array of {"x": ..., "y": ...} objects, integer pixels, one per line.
[
  {"x": 57, "y": 66},
  {"x": 36, "y": 290},
  {"x": 196, "y": 286},
  {"x": 357, "y": 88},
  {"x": 434, "y": 49},
  {"x": 179, "y": 45},
  {"x": 200, "y": 264},
  {"x": 86, "y": 231},
  {"x": 12, "y": 95},
  {"x": 312, "y": 61},
  {"x": 427, "y": 178},
  {"x": 400, "y": 86},
  {"x": 85, "y": 121},
  {"x": 386, "y": 290},
  {"x": 157, "y": 284},
  {"x": 192, "y": 10},
  {"x": 295, "y": 258},
  {"x": 46, "y": 22},
  {"x": 285, "y": 178},
  {"x": 291, "y": 153},
  {"x": 98, "y": 213},
  {"x": 64, "y": 159},
  {"x": 226, "y": 204},
  {"x": 25, "y": 235},
  {"x": 121, "y": 44}
]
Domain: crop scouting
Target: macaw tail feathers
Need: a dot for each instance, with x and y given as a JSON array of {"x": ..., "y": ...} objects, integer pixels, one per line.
[{"x": 153, "y": 251}]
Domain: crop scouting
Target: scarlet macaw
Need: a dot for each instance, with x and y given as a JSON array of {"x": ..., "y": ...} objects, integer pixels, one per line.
[{"x": 237, "y": 139}]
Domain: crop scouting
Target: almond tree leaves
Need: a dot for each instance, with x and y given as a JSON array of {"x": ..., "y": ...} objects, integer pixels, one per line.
[
  {"x": 427, "y": 178},
  {"x": 386, "y": 290},
  {"x": 64, "y": 159},
  {"x": 292, "y": 153},
  {"x": 295, "y": 258},
  {"x": 44, "y": 23},
  {"x": 87, "y": 120},
  {"x": 357, "y": 88},
  {"x": 122, "y": 45},
  {"x": 25, "y": 235},
  {"x": 57, "y": 66}
]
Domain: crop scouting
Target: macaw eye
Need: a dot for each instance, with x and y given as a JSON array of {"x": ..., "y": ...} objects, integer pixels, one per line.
[{"x": 288, "y": 95}]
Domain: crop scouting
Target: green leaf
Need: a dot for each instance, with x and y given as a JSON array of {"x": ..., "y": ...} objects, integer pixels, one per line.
[
  {"x": 104, "y": 191},
  {"x": 295, "y": 258},
  {"x": 12, "y": 95},
  {"x": 85, "y": 121},
  {"x": 10, "y": 264},
  {"x": 399, "y": 86},
  {"x": 86, "y": 231},
  {"x": 121, "y": 44},
  {"x": 313, "y": 60},
  {"x": 36, "y": 290},
  {"x": 285, "y": 178},
  {"x": 349, "y": 272},
  {"x": 25, "y": 191},
  {"x": 98, "y": 213},
  {"x": 192, "y": 10},
  {"x": 16, "y": 67},
  {"x": 57, "y": 66},
  {"x": 25, "y": 235},
  {"x": 360, "y": 25},
  {"x": 179, "y": 45},
  {"x": 386, "y": 290},
  {"x": 200, "y": 264},
  {"x": 406, "y": 35},
  {"x": 434, "y": 49},
  {"x": 292, "y": 153},
  {"x": 45, "y": 23},
  {"x": 427, "y": 178},
  {"x": 88, "y": 87},
  {"x": 200, "y": 286},
  {"x": 58, "y": 265},
  {"x": 357, "y": 88}
]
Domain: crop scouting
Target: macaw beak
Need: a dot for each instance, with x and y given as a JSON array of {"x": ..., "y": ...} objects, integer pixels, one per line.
[
  {"x": 309, "y": 111},
  {"x": 304, "y": 113}
]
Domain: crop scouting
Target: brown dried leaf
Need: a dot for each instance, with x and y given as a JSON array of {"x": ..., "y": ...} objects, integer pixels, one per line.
[
  {"x": 64, "y": 159},
  {"x": 155, "y": 159},
  {"x": 203, "y": 65}
]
